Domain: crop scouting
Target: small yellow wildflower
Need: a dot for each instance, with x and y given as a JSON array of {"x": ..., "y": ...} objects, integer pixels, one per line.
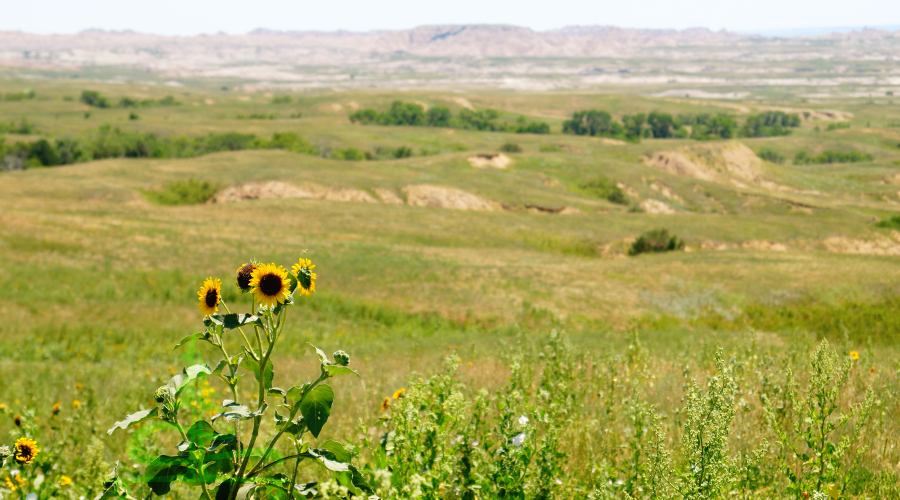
[
  {"x": 854, "y": 355},
  {"x": 79, "y": 386},
  {"x": 386, "y": 404},
  {"x": 210, "y": 295},
  {"x": 270, "y": 284},
  {"x": 10, "y": 485},
  {"x": 26, "y": 450},
  {"x": 55, "y": 409},
  {"x": 20, "y": 479},
  {"x": 3, "y": 408},
  {"x": 76, "y": 405},
  {"x": 306, "y": 279},
  {"x": 398, "y": 393},
  {"x": 65, "y": 480}
]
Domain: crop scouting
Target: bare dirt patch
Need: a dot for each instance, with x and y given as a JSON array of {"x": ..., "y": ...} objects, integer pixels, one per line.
[
  {"x": 540, "y": 209},
  {"x": 652, "y": 206},
  {"x": 498, "y": 160},
  {"x": 388, "y": 196},
  {"x": 278, "y": 189},
  {"x": 881, "y": 245},
  {"x": 462, "y": 101},
  {"x": 729, "y": 162},
  {"x": 425, "y": 195},
  {"x": 764, "y": 245}
]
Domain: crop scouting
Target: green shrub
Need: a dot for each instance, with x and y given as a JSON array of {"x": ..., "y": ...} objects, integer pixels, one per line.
[
  {"x": 133, "y": 116},
  {"x": 892, "y": 223},
  {"x": 511, "y": 147},
  {"x": 94, "y": 98},
  {"x": 550, "y": 148},
  {"x": 838, "y": 126},
  {"x": 771, "y": 155},
  {"x": 803, "y": 158},
  {"x": 352, "y": 154},
  {"x": 22, "y": 127},
  {"x": 770, "y": 123},
  {"x": 594, "y": 123},
  {"x": 655, "y": 241},
  {"x": 282, "y": 99},
  {"x": 603, "y": 188},
  {"x": 706, "y": 126},
  {"x": 20, "y": 96},
  {"x": 190, "y": 192},
  {"x": 291, "y": 141}
]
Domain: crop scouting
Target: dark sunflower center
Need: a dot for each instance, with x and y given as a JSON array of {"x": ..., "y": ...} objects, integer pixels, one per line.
[
  {"x": 305, "y": 278},
  {"x": 212, "y": 298},
  {"x": 25, "y": 453},
  {"x": 244, "y": 275},
  {"x": 270, "y": 284}
]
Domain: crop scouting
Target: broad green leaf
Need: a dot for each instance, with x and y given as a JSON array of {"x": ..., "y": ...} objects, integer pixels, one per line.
[
  {"x": 237, "y": 411},
  {"x": 222, "y": 440},
  {"x": 296, "y": 392},
  {"x": 335, "y": 370},
  {"x": 186, "y": 376},
  {"x": 163, "y": 471},
  {"x": 245, "y": 491},
  {"x": 232, "y": 321},
  {"x": 354, "y": 481},
  {"x": 327, "y": 459},
  {"x": 337, "y": 449},
  {"x": 293, "y": 280},
  {"x": 252, "y": 366},
  {"x": 316, "y": 407},
  {"x": 223, "y": 491},
  {"x": 307, "y": 490},
  {"x": 135, "y": 418},
  {"x": 201, "y": 433}
]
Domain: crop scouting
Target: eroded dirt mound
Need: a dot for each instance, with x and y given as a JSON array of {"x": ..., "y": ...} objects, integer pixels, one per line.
[
  {"x": 425, "y": 195},
  {"x": 881, "y": 245},
  {"x": 725, "y": 162},
  {"x": 490, "y": 160},
  {"x": 278, "y": 189},
  {"x": 652, "y": 206},
  {"x": 388, "y": 196}
]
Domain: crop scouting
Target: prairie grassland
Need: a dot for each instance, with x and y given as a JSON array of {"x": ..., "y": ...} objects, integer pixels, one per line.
[{"x": 97, "y": 283}]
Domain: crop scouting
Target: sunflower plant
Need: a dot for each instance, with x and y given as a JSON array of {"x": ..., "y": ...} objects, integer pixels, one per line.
[{"x": 228, "y": 456}]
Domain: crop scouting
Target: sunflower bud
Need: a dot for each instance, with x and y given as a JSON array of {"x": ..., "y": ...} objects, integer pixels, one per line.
[
  {"x": 341, "y": 358},
  {"x": 5, "y": 452},
  {"x": 244, "y": 274},
  {"x": 163, "y": 395}
]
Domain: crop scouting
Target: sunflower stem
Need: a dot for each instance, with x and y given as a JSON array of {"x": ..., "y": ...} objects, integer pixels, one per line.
[{"x": 239, "y": 328}]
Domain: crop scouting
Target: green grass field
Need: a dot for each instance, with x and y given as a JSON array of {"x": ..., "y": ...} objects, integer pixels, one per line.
[{"x": 97, "y": 283}]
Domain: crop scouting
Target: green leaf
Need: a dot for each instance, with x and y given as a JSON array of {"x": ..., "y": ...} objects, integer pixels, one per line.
[
  {"x": 337, "y": 449},
  {"x": 195, "y": 336},
  {"x": 232, "y": 321},
  {"x": 237, "y": 411},
  {"x": 296, "y": 392},
  {"x": 316, "y": 408},
  {"x": 327, "y": 459},
  {"x": 335, "y": 370},
  {"x": 187, "y": 375},
  {"x": 252, "y": 366},
  {"x": 322, "y": 356},
  {"x": 354, "y": 481},
  {"x": 165, "y": 470},
  {"x": 223, "y": 491},
  {"x": 201, "y": 433},
  {"x": 221, "y": 440},
  {"x": 135, "y": 418},
  {"x": 307, "y": 490}
]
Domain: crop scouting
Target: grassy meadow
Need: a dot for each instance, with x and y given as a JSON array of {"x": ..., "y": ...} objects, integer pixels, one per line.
[{"x": 98, "y": 283}]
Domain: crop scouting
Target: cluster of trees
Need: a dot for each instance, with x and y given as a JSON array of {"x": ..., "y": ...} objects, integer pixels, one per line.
[
  {"x": 19, "y": 96},
  {"x": 108, "y": 142},
  {"x": 379, "y": 153},
  {"x": 98, "y": 100},
  {"x": 804, "y": 158},
  {"x": 407, "y": 113},
  {"x": 23, "y": 126},
  {"x": 661, "y": 125}
]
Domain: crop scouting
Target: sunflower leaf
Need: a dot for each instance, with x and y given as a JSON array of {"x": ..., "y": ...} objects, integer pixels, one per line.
[
  {"x": 335, "y": 370},
  {"x": 237, "y": 411},
  {"x": 322, "y": 356},
  {"x": 187, "y": 375},
  {"x": 293, "y": 280},
  {"x": 232, "y": 321},
  {"x": 195, "y": 336},
  {"x": 135, "y": 418},
  {"x": 316, "y": 408}
]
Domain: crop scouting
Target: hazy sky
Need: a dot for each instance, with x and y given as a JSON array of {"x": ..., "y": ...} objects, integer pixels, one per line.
[{"x": 187, "y": 17}]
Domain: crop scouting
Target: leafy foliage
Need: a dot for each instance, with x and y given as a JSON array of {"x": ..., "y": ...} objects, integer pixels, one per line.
[
  {"x": 604, "y": 188},
  {"x": 803, "y": 158},
  {"x": 413, "y": 114},
  {"x": 189, "y": 192},
  {"x": 655, "y": 241}
]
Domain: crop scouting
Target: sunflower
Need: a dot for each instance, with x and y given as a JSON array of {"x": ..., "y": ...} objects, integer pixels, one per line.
[
  {"x": 26, "y": 450},
  {"x": 854, "y": 355},
  {"x": 210, "y": 294},
  {"x": 398, "y": 393},
  {"x": 386, "y": 404},
  {"x": 244, "y": 275},
  {"x": 65, "y": 480},
  {"x": 270, "y": 284},
  {"x": 306, "y": 279}
]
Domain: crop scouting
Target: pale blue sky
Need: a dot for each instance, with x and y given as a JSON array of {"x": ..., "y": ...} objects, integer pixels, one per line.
[{"x": 188, "y": 17}]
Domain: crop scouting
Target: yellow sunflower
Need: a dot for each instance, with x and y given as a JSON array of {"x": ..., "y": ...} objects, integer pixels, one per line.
[
  {"x": 244, "y": 275},
  {"x": 306, "y": 279},
  {"x": 270, "y": 284},
  {"x": 26, "y": 450},
  {"x": 65, "y": 480},
  {"x": 398, "y": 393},
  {"x": 210, "y": 294}
]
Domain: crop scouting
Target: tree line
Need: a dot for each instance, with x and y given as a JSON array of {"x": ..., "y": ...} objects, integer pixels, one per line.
[
  {"x": 412, "y": 114},
  {"x": 662, "y": 125},
  {"x": 98, "y": 100}
]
